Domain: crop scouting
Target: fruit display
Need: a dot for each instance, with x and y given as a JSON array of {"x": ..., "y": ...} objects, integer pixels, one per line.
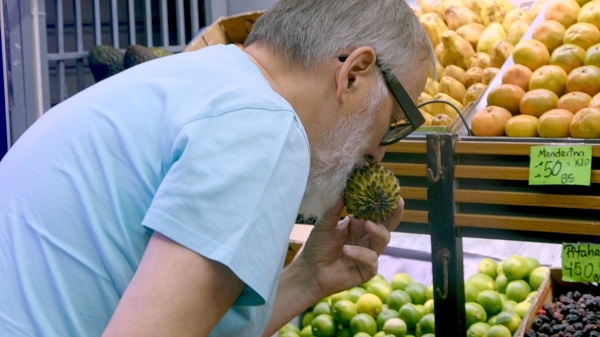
[
  {"x": 106, "y": 60},
  {"x": 570, "y": 314},
  {"x": 372, "y": 193},
  {"x": 472, "y": 40},
  {"x": 497, "y": 298},
  {"x": 551, "y": 85}
]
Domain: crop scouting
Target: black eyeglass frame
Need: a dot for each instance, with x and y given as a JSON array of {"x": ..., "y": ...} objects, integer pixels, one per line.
[{"x": 398, "y": 131}]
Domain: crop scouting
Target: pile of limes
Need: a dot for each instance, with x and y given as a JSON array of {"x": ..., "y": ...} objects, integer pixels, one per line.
[{"x": 497, "y": 297}]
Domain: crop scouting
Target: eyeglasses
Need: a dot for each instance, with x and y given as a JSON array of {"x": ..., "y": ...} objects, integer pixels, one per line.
[{"x": 413, "y": 118}]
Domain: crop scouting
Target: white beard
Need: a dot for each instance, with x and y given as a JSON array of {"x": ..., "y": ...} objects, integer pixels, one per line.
[{"x": 336, "y": 157}]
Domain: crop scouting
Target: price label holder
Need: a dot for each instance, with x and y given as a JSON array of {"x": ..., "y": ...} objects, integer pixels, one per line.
[
  {"x": 581, "y": 262},
  {"x": 560, "y": 165}
]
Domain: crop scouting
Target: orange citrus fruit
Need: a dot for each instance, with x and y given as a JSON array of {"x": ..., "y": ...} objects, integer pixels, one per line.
[
  {"x": 586, "y": 123},
  {"x": 517, "y": 74},
  {"x": 574, "y": 101},
  {"x": 563, "y": 11},
  {"x": 537, "y": 101},
  {"x": 582, "y": 34},
  {"x": 550, "y": 33},
  {"x": 568, "y": 57},
  {"x": 585, "y": 78},
  {"x": 549, "y": 76},
  {"x": 555, "y": 123},
  {"x": 521, "y": 126},
  {"x": 531, "y": 53},
  {"x": 507, "y": 96}
]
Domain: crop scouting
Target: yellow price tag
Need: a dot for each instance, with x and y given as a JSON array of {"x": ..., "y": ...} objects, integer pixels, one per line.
[
  {"x": 560, "y": 165},
  {"x": 581, "y": 262}
]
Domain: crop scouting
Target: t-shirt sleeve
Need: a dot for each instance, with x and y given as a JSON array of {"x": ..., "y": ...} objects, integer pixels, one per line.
[{"x": 231, "y": 192}]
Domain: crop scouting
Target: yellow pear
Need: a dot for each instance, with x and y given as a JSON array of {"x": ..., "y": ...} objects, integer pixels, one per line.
[
  {"x": 429, "y": 6},
  {"x": 488, "y": 74},
  {"x": 473, "y": 93},
  {"x": 432, "y": 86},
  {"x": 517, "y": 30},
  {"x": 535, "y": 8},
  {"x": 471, "y": 32},
  {"x": 424, "y": 97},
  {"x": 514, "y": 15},
  {"x": 500, "y": 52},
  {"x": 434, "y": 26},
  {"x": 444, "y": 108},
  {"x": 452, "y": 87},
  {"x": 457, "y": 50},
  {"x": 492, "y": 11},
  {"x": 472, "y": 76},
  {"x": 493, "y": 33},
  {"x": 454, "y": 71},
  {"x": 457, "y": 16},
  {"x": 480, "y": 59}
]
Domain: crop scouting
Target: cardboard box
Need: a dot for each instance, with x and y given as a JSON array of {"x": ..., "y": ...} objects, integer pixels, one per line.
[
  {"x": 553, "y": 286},
  {"x": 298, "y": 238},
  {"x": 225, "y": 30}
]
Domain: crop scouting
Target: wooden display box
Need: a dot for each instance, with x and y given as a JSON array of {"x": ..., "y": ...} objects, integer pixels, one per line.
[
  {"x": 298, "y": 238},
  {"x": 225, "y": 30},
  {"x": 550, "y": 288}
]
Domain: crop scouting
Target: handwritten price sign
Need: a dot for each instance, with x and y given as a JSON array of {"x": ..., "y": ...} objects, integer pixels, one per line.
[
  {"x": 581, "y": 262},
  {"x": 560, "y": 165}
]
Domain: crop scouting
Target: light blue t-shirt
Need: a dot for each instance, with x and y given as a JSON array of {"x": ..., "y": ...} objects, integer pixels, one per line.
[{"x": 196, "y": 146}]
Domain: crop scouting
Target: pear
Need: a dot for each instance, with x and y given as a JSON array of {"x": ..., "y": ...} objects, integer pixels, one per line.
[
  {"x": 474, "y": 92},
  {"x": 474, "y": 5},
  {"x": 472, "y": 76},
  {"x": 443, "y": 108},
  {"x": 457, "y": 50},
  {"x": 493, "y": 33},
  {"x": 500, "y": 52},
  {"x": 434, "y": 26},
  {"x": 471, "y": 32},
  {"x": 452, "y": 87},
  {"x": 479, "y": 59},
  {"x": 491, "y": 11},
  {"x": 424, "y": 97},
  {"x": 488, "y": 74},
  {"x": 458, "y": 16},
  {"x": 431, "y": 6},
  {"x": 432, "y": 87},
  {"x": 515, "y": 14},
  {"x": 454, "y": 71},
  {"x": 517, "y": 30}
]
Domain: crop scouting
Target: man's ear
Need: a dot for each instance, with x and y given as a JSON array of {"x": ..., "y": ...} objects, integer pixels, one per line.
[{"x": 358, "y": 66}]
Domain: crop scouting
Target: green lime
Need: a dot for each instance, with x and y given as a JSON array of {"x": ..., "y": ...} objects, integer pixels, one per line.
[
  {"x": 362, "y": 334},
  {"x": 517, "y": 290},
  {"x": 395, "y": 326},
  {"x": 380, "y": 288},
  {"x": 290, "y": 327},
  {"x": 498, "y": 331},
  {"x": 307, "y": 332},
  {"x": 508, "y": 305},
  {"x": 521, "y": 308},
  {"x": 397, "y": 299},
  {"x": 514, "y": 267},
  {"x": 356, "y": 292},
  {"x": 429, "y": 292},
  {"x": 342, "y": 295},
  {"x": 417, "y": 292},
  {"x": 384, "y": 316},
  {"x": 376, "y": 278},
  {"x": 322, "y": 308},
  {"x": 363, "y": 323},
  {"x": 509, "y": 319},
  {"x": 410, "y": 315},
  {"x": 344, "y": 331},
  {"x": 474, "y": 312},
  {"x": 370, "y": 304},
  {"x": 343, "y": 311},
  {"x": 478, "y": 329},
  {"x": 482, "y": 281},
  {"x": 401, "y": 280},
  {"x": 537, "y": 276},
  {"x": 501, "y": 282},
  {"x": 532, "y": 263},
  {"x": 531, "y": 296},
  {"x": 428, "y": 307},
  {"x": 471, "y": 292},
  {"x": 426, "y": 324},
  {"x": 288, "y": 334},
  {"x": 488, "y": 266},
  {"x": 307, "y": 318},
  {"x": 323, "y": 326},
  {"x": 490, "y": 300},
  {"x": 492, "y": 320}
]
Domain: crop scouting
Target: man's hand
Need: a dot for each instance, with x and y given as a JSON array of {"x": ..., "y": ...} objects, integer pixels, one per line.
[{"x": 341, "y": 254}]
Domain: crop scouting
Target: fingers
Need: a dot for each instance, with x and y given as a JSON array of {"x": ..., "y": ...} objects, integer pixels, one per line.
[
  {"x": 365, "y": 260},
  {"x": 333, "y": 216},
  {"x": 379, "y": 236},
  {"x": 394, "y": 220}
]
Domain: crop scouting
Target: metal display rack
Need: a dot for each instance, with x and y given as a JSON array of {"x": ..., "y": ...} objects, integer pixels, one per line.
[{"x": 457, "y": 187}]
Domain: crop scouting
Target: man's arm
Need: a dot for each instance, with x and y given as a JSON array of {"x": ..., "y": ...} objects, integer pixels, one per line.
[
  {"x": 174, "y": 292},
  {"x": 337, "y": 256}
]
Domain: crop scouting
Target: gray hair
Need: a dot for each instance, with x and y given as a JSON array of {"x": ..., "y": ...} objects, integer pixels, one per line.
[{"x": 311, "y": 32}]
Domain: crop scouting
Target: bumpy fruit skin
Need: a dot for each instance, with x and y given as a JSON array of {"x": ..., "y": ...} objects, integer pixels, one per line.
[{"x": 372, "y": 193}]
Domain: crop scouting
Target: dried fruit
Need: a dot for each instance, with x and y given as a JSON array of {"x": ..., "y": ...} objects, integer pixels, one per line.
[{"x": 372, "y": 193}]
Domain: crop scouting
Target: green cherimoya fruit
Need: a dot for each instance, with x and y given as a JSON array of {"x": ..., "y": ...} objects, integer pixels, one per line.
[
  {"x": 160, "y": 51},
  {"x": 104, "y": 61},
  {"x": 136, "y": 54},
  {"x": 372, "y": 193}
]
